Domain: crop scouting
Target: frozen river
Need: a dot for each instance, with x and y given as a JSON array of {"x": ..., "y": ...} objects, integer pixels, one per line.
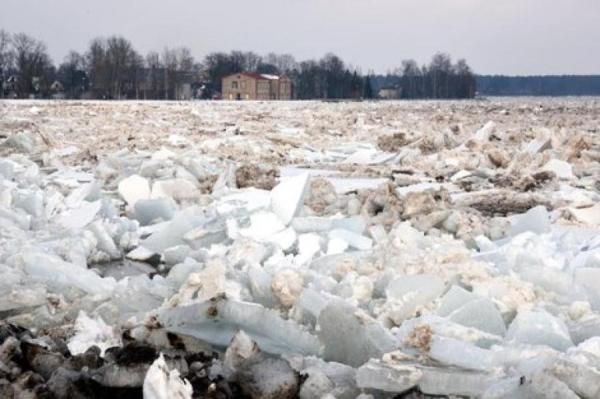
[{"x": 301, "y": 249}]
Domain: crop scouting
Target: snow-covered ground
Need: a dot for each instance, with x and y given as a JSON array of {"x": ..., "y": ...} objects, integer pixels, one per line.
[{"x": 284, "y": 249}]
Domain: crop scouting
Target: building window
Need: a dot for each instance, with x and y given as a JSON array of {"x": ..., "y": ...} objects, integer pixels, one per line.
[
  {"x": 234, "y": 85},
  {"x": 244, "y": 85}
]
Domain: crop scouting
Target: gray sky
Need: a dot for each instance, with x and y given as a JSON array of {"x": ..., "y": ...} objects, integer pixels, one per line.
[{"x": 495, "y": 36}]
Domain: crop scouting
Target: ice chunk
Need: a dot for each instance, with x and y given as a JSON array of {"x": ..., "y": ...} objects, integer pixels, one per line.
[
  {"x": 309, "y": 245},
  {"x": 312, "y": 302},
  {"x": 57, "y": 273},
  {"x": 80, "y": 217},
  {"x": 240, "y": 349},
  {"x": 587, "y": 328},
  {"x": 163, "y": 154},
  {"x": 589, "y": 279},
  {"x": 355, "y": 224},
  {"x": 406, "y": 293},
  {"x": 22, "y": 220},
  {"x": 563, "y": 170},
  {"x": 206, "y": 235},
  {"x": 350, "y": 336},
  {"x": 539, "y": 144},
  {"x": 263, "y": 225},
  {"x": 311, "y": 224},
  {"x": 336, "y": 246},
  {"x": 31, "y": 202},
  {"x": 260, "y": 285},
  {"x": 379, "y": 234},
  {"x": 141, "y": 254},
  {"x": 418, "y": 188},
  {"x": 172, "y": 233},
  {"x": 148, "y": 211},
  {"x": 7, "y": 168},
  {"x": 287, "y": 198},
  {"x": 454, "y": 299},
  {"x": 201, "y": 286},
  {"x": 216, "y": 322},
  {"x": 251, "y": 199},
  {"x": 439, "y": 326},
  {"x": 17, "y": 298},
  {"x": 485, "y": 132},
  {"x": 481, "y": 314},
  {"x": 540, "y": 385},
  {"x": 285, "y": 239},
  {"x": 356, "y": 241},
  {"x": 461, "y": 174},
  {"x": 133, "y": 189},
  {"x": 535, "y": 220},
  {"x": 179, "y": 189},
  {"x": 387, "y": 377},
  {"x": 21, "y": 142},
  {"x": 104, "y": 239},
  {"x": 322, "y": 224},
  {"x": 583, "y": 380},
  {"x": 589, "y": 215},
  {"x": 90, "y": 332},
  {"x": 162, "y": 383},
  {"x": 453, "y": 352},
  {"x": 177, "y": 254},
  {"x": 448, "y": 381},
  {"x": 343, "y": 377},
  {"x": 86, "y": 192},
  {"x": 539, "y": 328}
]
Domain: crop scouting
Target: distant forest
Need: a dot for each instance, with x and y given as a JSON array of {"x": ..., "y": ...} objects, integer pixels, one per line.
[
  {"x": 441, "y": 79},
  {"x": 538, "y": 85},
  {"x": 111, "y": 68}
]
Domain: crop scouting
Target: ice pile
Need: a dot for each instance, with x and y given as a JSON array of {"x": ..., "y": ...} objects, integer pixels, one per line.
[{"x": 468, "y": 272}]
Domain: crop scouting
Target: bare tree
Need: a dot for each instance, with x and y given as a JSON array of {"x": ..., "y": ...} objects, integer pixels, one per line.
[
  {"x": 185, "y": 67},
  {"x": 218, "y": 65},
  {"x": 6, "y": 59},
  {"x": 411, "y": 74},
  {"x": 122, "y": 63},
  {"x": 33, "y": 65},
  {"x": 334, "y": 69},
  {"x": 169, "y": 61},
  {"x": 72, "y": 75},
  {"x": 440, "y": 69},
  {"x": 136, "y": 74},
  {"x": 285, "y": 63},
  {"x": 250, "y": 61},
  {"x": 97, "y": 68},
  {"x": 114, "y": 68},
  {"x": 466, "y": 83},
  {"x": 154, "y": 81}
]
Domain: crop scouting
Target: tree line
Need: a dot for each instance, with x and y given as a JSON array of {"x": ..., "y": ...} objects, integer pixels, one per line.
[
  {"x": 549, "y": 85},
  {"x": 111, "y": 68},
  {"x": 440, "y": 79}
]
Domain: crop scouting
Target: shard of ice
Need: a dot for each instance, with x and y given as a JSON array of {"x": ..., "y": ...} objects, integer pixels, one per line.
[{"x": 216, "y": 322}]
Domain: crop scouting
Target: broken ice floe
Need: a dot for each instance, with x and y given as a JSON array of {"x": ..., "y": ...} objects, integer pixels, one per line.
[{"x": 462, "y": 262}]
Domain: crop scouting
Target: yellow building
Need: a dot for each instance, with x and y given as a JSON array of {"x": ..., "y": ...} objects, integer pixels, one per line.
[{"x": 256, "y": 86}]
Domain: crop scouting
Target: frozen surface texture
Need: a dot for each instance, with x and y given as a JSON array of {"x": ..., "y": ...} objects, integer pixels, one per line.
[
  {"x": 162, "y": 383},
  {"x": 300, "y": 249}
]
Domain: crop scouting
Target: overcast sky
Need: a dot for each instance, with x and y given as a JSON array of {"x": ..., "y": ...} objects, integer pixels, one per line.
[{"x": 495, "y": 36}]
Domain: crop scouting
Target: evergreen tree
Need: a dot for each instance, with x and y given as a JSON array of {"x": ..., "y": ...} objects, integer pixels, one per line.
[{"x": 368, "y": 89}]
